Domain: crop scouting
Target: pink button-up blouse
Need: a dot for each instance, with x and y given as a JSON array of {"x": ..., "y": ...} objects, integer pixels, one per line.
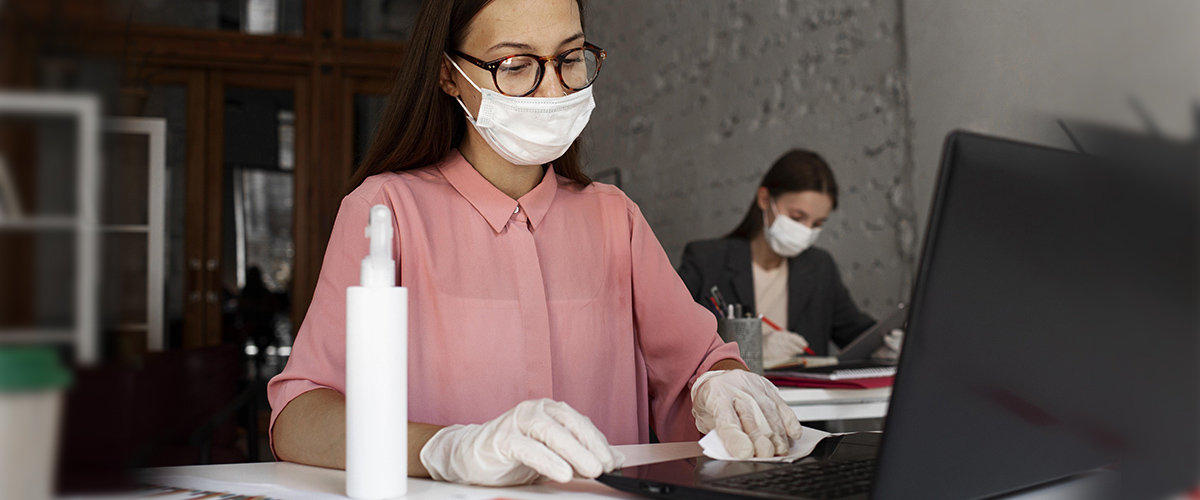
[{"x": 563, "y": 294}]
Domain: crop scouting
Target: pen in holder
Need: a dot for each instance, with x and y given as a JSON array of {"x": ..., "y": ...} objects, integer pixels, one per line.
[{"x": 747, "y": 332}]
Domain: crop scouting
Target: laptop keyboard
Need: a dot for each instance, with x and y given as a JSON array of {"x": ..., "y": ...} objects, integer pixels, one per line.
[{"x": 825, "y": 480}]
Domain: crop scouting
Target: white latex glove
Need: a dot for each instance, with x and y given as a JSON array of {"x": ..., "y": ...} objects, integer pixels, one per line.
[
  {"x": 746, "y": 411},
  {"x": 781, "y": 347},
  {"x": 537, "y": 438}
]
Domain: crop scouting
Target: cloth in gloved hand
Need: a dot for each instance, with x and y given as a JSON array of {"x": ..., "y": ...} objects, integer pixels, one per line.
[
  {"x": 803, "y": 447},
  {"x": 537, "y": 438},
  {"x": 781, "y": 347},
  {"x": 746, "y": 411}
]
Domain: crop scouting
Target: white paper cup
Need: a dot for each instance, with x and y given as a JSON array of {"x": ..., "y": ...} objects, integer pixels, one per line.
[
  {"x": 31, "y": 394},
  {"x": 28, "y": 443}
]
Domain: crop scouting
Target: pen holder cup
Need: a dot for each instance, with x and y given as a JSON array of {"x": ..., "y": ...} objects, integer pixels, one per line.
[{"x": 747, "y": 332}]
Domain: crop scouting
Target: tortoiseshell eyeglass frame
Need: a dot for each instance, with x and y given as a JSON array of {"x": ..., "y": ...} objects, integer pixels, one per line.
[{"x": 558, "y": 59}]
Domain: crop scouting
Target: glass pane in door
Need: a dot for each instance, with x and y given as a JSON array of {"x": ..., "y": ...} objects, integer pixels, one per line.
[
  {"x": 261, "y": 17},
  {"x": 390, "y": 20},
  {"x": 256, "y": 238}
]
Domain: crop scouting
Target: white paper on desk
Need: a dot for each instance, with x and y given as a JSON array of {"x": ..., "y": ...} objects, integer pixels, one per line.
[
  {"x": 643, "y": 454},
  {"x": 715, "y": 449}
]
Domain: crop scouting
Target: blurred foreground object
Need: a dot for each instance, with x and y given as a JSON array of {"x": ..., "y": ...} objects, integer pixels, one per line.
[
  {"x": 179, "y": 408},
  {"x": 31, "y": 392},
  {"x": 82, "y": 113}
]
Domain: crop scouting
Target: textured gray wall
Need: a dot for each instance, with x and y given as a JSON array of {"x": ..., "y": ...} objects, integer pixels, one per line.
[
  {"x": 1012, "y": 68},
  {"x": 699, "y": 97}
]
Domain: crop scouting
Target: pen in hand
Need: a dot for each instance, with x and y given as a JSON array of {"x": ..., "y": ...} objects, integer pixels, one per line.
[{"x": 778, "y": 328}]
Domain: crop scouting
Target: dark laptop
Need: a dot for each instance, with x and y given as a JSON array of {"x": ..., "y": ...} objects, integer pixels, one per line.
[{"x": 991, "y": 393}]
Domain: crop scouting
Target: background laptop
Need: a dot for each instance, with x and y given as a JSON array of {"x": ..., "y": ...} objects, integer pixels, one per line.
[
  {"x": 995, "y": 390},
  {"x": 869, "y": 341}
]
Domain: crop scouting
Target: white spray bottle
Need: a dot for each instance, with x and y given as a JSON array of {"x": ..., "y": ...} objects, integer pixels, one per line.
[{"x": 377, "y": 372}]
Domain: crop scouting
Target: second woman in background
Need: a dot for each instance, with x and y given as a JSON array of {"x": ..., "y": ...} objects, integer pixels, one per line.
[{"x": 768, "y": 264}]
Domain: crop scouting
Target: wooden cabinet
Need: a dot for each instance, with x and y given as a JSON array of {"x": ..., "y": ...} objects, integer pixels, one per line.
[{"x": 214, "y": 87}]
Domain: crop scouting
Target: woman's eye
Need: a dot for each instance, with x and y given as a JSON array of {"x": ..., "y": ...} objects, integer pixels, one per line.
[
  {"x": 514, "y": 68},
  {"x": 572, "y": 60}
]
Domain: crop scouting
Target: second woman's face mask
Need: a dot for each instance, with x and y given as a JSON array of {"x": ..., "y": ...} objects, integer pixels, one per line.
[
  {"x": 787, "y": 237},
  {"x": 529, "y": 130}
]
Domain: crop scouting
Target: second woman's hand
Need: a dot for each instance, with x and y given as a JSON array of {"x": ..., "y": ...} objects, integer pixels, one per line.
[
  {"x": 538, "y": 438},
  {"x": 780, "y": 347}
]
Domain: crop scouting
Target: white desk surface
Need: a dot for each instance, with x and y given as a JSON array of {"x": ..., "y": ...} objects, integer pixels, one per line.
[
  {"x": 298, "y": 482},
  {"x": 286, "y": 481}
]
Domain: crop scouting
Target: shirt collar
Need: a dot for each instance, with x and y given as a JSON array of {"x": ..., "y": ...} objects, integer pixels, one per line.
[{"x": 489, "y": 201}]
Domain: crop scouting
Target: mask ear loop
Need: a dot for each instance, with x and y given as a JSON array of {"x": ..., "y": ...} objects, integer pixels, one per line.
[
  {"x": 472, "y": 82},
  {"x": 771, "y": 206}
]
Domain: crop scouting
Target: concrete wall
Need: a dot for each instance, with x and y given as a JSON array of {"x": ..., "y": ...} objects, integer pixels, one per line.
[
  {"x": 1012, "y": 68},
  {"x": 699, "y": 97}
]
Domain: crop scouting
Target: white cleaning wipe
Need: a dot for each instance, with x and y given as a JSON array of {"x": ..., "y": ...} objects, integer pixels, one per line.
[{"x": 715, "y": 449}]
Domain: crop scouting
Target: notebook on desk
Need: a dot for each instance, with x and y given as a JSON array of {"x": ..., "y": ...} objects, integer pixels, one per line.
[
  {"x": 858, "y": 383},
  {"x": 867, "y": 369}
]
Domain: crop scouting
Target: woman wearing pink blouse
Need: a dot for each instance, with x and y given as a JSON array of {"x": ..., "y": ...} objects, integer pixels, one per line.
[{"x": 545, "y": 319}]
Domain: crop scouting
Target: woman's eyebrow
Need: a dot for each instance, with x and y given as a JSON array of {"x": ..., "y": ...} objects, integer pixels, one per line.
[
  {"x": 529, "y": 48},
  {"x": 511, "y": 45},
  {"x": 572, "y": 38}
]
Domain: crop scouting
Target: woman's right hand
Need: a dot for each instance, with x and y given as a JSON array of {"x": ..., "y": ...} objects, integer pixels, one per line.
[
  {"x": 537, "y": 438},
  {"x": 781, "y": 347}
]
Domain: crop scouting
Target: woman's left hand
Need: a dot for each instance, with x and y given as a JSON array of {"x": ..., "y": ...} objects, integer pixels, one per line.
[{"x": 746, "y": 411}]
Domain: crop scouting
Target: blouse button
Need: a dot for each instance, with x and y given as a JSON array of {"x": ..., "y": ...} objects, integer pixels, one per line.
[{"x": 518, "y": 209}]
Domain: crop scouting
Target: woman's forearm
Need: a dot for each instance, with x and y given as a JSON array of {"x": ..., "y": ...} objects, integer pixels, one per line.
[
  {"x": 725, "y": 364},
  {"x": 311, "y": 430}
]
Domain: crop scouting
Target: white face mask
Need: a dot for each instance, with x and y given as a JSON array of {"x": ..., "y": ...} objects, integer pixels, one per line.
[
  {"x": 787, "y": 237},
  {"x": 529, "y": 130}
]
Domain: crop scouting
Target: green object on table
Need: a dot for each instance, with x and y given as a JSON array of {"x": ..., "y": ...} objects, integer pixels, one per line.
[{"x": 31, "y": 369}]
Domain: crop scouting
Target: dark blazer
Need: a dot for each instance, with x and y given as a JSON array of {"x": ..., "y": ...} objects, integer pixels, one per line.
[{"x": 819, "y": 307}]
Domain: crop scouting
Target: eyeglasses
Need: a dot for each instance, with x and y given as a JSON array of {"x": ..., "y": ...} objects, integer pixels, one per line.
[{"x": 519, "y": 75}]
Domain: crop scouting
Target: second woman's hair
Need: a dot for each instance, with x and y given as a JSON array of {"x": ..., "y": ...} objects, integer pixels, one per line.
[
  {"x": 421, "y": 123},
  {"x": 794, "y": 172}
]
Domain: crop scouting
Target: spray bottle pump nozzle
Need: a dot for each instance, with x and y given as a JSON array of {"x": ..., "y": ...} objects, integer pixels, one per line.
[{"x": 378, "y": 268}]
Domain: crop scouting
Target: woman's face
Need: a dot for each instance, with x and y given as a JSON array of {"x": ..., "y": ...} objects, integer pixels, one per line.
[
  {"x": 509, "y": 27},
  {"x": 810, "y": 208}
]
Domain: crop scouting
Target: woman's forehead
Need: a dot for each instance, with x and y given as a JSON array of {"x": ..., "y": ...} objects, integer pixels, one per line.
[
  {"x": 505, "y": 27},
  {"x": 807, "y": 201}
]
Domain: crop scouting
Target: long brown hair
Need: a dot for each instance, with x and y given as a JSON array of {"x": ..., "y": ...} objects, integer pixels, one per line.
[
  {"x": 795, "y": 171},
  {"x": 421, "y": 122}
]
